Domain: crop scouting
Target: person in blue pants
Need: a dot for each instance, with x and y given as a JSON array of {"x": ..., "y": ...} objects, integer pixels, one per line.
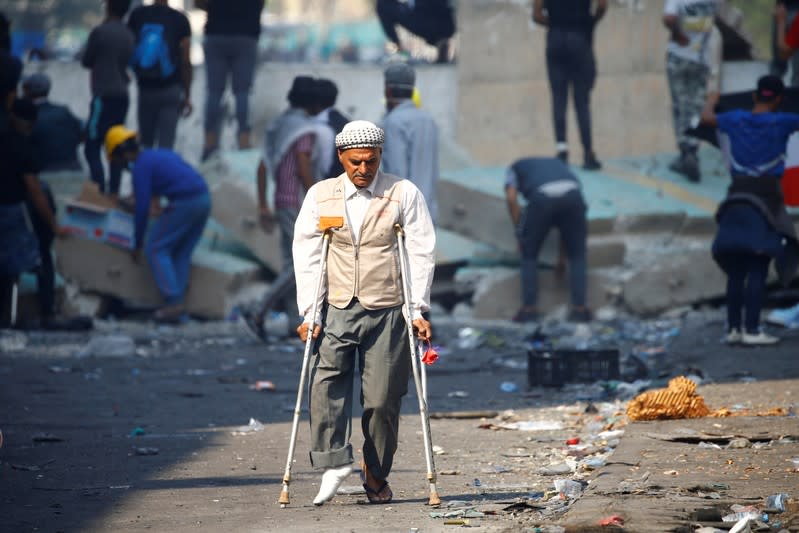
[{"x": 163, "y": 173}]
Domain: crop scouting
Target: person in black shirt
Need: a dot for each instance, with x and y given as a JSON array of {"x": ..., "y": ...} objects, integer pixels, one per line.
[
  {"x": 554, "y": 200},
  {"x": 57, "y": 133},
  {"x": 27, "y": 216},
  {"x": 163, "y": 71},
  {"x": 230, "y": 46},
  {"x": 571, "y": 63}
]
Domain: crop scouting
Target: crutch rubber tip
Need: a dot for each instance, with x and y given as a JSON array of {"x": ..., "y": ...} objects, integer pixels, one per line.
[
  {"x": 283, "y": 500},
  {"x": 434, "y": 499}
]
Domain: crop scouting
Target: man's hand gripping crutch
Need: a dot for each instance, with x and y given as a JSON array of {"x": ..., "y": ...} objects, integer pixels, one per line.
[
  {"x": 311, "y": 333},
  {"x": 419, "y": 370}
]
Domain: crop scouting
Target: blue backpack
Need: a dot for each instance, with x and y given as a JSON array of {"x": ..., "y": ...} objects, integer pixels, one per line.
[{"x": 151, "y": 59}]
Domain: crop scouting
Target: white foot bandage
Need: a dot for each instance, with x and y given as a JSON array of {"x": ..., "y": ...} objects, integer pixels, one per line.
[{"x": 331, "y": 481}]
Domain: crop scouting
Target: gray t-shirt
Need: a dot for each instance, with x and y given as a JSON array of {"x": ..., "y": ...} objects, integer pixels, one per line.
[{"x": 107, "y": 55}]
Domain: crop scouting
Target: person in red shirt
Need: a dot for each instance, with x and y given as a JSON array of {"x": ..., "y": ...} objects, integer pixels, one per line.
[{"x": 787, "y": 40}]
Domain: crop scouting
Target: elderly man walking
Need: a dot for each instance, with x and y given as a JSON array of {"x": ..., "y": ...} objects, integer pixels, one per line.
[{"x": 361, "y": 315}]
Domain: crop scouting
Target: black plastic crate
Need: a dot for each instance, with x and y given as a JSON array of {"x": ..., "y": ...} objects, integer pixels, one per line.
[{"x": 555, "y": 368}]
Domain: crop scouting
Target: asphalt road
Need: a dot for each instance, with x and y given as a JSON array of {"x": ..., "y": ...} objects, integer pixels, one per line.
[{"x": 149, "y": 442}]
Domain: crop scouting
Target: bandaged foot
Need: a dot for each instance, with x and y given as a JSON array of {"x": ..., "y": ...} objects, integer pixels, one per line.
[{"x": 331, "y": 481}]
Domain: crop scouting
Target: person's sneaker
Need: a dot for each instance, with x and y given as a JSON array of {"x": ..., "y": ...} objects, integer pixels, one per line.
[
  {"x": 787, "y": 318},
  {"x": 254, "y": 325},
  {"x": 563, "y": 155},
  {"x": 758, "y": 339},
  {"x": 733, "y": 336},
  {"x": 590, "y": 162}
]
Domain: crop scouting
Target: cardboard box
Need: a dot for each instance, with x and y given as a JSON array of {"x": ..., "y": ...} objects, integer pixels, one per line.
[{"x": 95, "y": 217}]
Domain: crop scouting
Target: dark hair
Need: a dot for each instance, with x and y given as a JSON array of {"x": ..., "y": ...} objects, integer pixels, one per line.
[
  {"x": 24, "y": 109},
  {"x": 400, "y": 93},
  {"x": 326, "y": 93},
  {"x": 118, "y": 8},
  {"x": 303, "y": 92},
  {"x": 769, "y": 88}
]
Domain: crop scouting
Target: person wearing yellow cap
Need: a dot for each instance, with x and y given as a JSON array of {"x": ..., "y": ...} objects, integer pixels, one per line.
[{"x": 155, "y": 174}]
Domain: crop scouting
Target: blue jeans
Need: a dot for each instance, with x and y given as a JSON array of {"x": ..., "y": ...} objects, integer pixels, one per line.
[
  {"x": 746, "y": 286},
  {"x": 104, "y": 113},
  {"x": 567, "y": 214},
  {"x": 171, "y": 242}
]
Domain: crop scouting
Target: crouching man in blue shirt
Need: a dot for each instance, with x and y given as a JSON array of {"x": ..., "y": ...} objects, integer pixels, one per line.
[{"x": 157, "y": 173}]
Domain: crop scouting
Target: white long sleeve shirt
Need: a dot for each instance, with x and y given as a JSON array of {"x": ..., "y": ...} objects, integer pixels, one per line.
[{"x": 420, "y": 242}]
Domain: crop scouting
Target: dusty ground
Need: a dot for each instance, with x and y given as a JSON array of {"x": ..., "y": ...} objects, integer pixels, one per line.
[{"x": 71, "y": 458}]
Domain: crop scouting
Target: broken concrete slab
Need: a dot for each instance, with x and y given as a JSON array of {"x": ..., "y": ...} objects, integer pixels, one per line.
[
  {"x": 235, "y": 208},
  {"x": 498, "y": 294},
  {"x": 674, "y": 280},
  {"x": 99, "y": 268}
]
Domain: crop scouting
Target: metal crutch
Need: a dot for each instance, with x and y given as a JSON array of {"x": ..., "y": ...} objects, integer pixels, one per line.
[
  {"x": 420, "y": 382},
  {"x": 284, "y": 493}
]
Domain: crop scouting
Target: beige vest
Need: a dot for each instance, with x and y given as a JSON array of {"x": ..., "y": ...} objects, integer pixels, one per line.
[{"x": 369, "y": 271}]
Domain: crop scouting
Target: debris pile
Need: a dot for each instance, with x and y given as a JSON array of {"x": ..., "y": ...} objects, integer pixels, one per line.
[{"x": 678, "y": 400}]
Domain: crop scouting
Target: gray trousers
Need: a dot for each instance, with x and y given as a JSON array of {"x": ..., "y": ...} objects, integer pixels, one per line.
[
  {"x": 159, "y": 112},
  {"x": 229, "y": 56},
  {"x": 378, "y": 341}
]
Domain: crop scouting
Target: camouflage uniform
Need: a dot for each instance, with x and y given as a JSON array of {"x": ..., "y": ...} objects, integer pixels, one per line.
[{"x": 688, "y": 86}]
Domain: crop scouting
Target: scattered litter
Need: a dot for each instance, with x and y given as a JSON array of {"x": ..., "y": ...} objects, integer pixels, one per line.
[
  {"x": 556, "y": 469},
  {"x": 26, "y": 468},
  {"x": 147, "y": 450},
  {"x": 573, "y": 442},
  {"x": 463, "y": 415},
  {"x": 449, "y": 473},
  {"x": 613, "y": 520},
  {"x": 57, "y": 369},
  {"x": 197, "y": 372},
  {"x": 252, "y": 427},
  {"x": 508, "y": 386},
  {"x": 568, "y": 489},
  {"x": 457, "y": 522},
  {"x": 709, "y": 445},
  {"x": 262, "y": 385},
  {"x": 115, "y": 345},
  {"x": 458, "y": 394},
  {"x": 671, "y": 473},
  {"x": 438, "y": 450},
  {"x": 12, "y": 341},
  {"x": 530, "y": 425},
  {"x": 776, "y": 502},
  {"x": 46, "y": 437},
  {"x": 137, "y": 432},
  {"x": 739, "y": 444},
  {"x": 677, "y": 401}
]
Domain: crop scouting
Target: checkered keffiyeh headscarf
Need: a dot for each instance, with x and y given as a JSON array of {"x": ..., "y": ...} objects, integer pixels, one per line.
[{"x": 360, "y": 134}]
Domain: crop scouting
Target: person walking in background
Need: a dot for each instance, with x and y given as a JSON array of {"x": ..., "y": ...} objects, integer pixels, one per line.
[
  {"x": 157, "y": 173},
  {"x": 780, "y": 63},
  {"x": 231, "y": 46},
  {"x": 554, "y": 200},
  {"x": 107, "y": 54},
  {"x": 327, "y": 92},
  {"x": 753, "y": 225},
  {"x": 571, "y": 65},
  {"x": 163, "y": 71},
  {"x": 690, "y": 24},
  {"x": 57, "y": 132},
  {"x": 411, "y": 147},
  {"x": 290, "y": 148},
  {"x": 361, "y": 316},
  {"x": 432, "y": 20}
]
